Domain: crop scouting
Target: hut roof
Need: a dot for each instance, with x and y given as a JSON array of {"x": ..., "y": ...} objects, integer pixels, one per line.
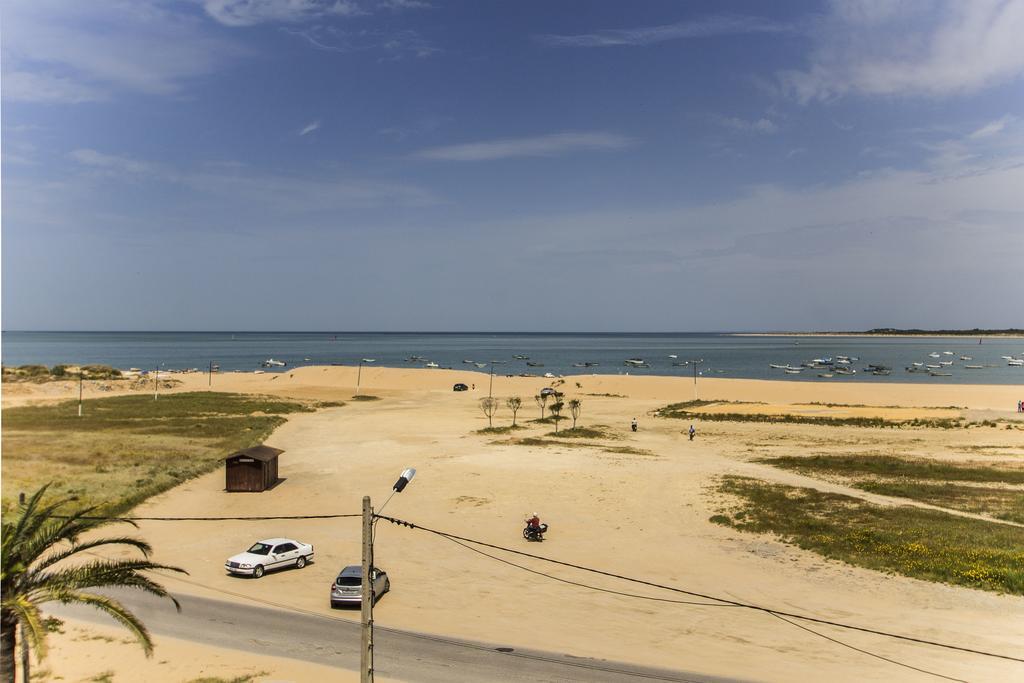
[{"x": 261, "y": 453}]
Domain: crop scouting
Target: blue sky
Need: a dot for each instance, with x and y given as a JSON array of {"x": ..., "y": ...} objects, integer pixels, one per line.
[{"x": 415, "y": 165}]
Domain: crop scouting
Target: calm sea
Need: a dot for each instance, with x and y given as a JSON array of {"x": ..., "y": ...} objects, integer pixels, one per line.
[{"x": 723, "y": 355}]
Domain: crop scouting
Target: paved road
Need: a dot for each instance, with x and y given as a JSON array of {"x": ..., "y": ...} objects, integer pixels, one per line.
[{"x": 404, "y": 655}]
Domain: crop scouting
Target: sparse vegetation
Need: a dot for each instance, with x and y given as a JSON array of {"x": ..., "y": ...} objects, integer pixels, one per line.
[
  {"x": 40, "y": 373},
  {"x": 541, "y": 400},
  {"x": 125, "y": 449},
  {"x": 927, "y": 481},
  {"x": 489, "y": 405},
  {"x": 925, "y": 544},
  {"x": 365, "y": 397},
  {"x": 514, "y": 403},
  {"x": 574, "y": 409},
  {"x": 556, "y": 412},
  {"x": 891, "y": 466},
  {"x": 685, "y": 411}
]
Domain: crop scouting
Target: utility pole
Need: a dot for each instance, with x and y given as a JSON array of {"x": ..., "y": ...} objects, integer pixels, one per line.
[
  {"x": 366, "y": 652},
  {"x": 694, "y": 363},
  {"x": 80, "y": 374},
  {"x": 156, "y": 384}
]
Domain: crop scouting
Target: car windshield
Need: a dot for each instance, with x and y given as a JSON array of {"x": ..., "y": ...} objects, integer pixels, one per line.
[{"x": 260, "y": 549}]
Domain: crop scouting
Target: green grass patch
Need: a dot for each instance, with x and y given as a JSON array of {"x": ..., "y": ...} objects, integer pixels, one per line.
[
  {"x": 549, "y": 442},
  {"x": 595, "y": 432},
  {"x": 507, "y": 429},
  {"x": 125, "y": 449},
  {"x": 891, "y": 466},
  {"x": 684, "y": 411},
  {"x": 925, "y": 544},
  {"x": 1000, "y": 503}
]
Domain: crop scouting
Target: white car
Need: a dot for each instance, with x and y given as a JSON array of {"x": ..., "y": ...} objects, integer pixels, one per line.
[{"x": 272, "y": 553}]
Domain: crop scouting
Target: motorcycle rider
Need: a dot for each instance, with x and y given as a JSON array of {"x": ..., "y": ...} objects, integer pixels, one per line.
[{"x": 534, "y": 527}]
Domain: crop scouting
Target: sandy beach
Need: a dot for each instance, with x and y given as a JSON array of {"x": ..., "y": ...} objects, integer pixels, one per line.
[{"x": 641, "y": 512}]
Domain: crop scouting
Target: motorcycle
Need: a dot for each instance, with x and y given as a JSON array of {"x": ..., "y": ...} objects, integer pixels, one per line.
[{"x": 535, "y": 533}]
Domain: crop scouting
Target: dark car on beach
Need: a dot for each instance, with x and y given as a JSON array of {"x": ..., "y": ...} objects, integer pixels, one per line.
[{"x": 460, "y": 387}]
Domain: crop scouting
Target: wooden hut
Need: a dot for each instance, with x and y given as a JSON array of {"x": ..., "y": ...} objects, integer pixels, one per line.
[{"x": 254, "y": 469}]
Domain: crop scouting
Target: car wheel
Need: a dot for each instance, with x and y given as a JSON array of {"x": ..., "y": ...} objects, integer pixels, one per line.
[
  {"x": 257, "y": 572},
  {"x": 300, "y": 563}
]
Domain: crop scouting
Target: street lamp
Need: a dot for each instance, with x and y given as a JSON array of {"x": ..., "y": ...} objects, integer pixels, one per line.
[
  {"x": 490, "y": 386},
  {"x": 694, "y": 363},
  {"x": 366, "y": 652},
  {"x": 359, "y": 375}
]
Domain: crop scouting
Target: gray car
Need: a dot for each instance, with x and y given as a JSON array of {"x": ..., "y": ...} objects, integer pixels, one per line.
[{"x": 347, "y": 588}]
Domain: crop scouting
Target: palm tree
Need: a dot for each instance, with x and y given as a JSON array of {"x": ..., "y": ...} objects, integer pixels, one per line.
[{"x": 36, "y": 543}]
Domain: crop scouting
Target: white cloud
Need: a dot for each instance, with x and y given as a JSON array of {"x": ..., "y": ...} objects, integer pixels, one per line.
[
  {"x": 25, "y": 86},
  {"x": 109, "y": 162},
  {"x": 992, "y": 128},
  {"x": 394, "y": 46},
  {"x": 933, "y": 48},
  {"x": 64, "y": 51},
  {"x": 238, "y": 13},
  {"x": 552, "y": 145},
  {"x": 761, "y": 125},
  {"x": 309, "y": 128},
  {"x": 399, "y": 5},
  {"x": 701, "y": 28}
]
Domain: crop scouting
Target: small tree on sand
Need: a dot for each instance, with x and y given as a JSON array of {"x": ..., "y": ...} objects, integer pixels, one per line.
[
  {"x": 490, "y": 406},
  {"x": 36, "y": 542},
  {"x": 574, "y": 409},
  {"x": 555, "y": 410},
  {"x": 542, "y": 400},
  {"x": 514, "y": 404}
]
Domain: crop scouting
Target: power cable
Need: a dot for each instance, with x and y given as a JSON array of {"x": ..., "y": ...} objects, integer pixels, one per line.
[
  {"x": 870, "y": 654},
  {"x": 262, "y": 518},
  {"x": 706, "y": 604},
  {"x": 588, "y": 586},
  {"x": 728, "y": 601}
]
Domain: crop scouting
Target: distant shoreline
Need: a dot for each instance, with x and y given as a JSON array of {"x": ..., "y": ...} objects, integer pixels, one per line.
[{"x": 925, "y": 335}]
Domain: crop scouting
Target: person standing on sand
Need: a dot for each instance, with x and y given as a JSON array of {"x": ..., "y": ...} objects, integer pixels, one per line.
[
  {"x": 633, "y": 424},
  {"x": 693, "y": 432}
]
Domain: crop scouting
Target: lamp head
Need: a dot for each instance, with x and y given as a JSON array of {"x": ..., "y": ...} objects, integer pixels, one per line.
[{"x": 404, "y": 479}]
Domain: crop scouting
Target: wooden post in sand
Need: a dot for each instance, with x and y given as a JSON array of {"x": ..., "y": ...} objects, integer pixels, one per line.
[
  {"x": 80, "y": 374},
  {"x": 366, "y": 652}
]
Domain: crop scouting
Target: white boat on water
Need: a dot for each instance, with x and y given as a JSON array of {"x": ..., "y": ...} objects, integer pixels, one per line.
[
  {"x": 945, "y": 362},
  {"x": 1015, "y": 362},
  {"x": 974, "y": 367},
  {"x": 777, "y": 366},
  {"x": 793, "y": 371},
  {"x": 480, "y": 365},
  {"x": 917, "y": 364},
  {"x": 271, "y": 363},
  {"x": 672, "y": 355},
  {"x": 468, "y": 362},
  {"x": 966, "y": 358},
  {"x": 941, "y": 374},
  {"x": 635, "y": 362},
  {"x": 432, "y": 364},
  {"x": 934, "y": 354},
  {"x": 826, "y": 375},
  {"x": 947, "y": 353},
  {"x": 933, "y": 367}
]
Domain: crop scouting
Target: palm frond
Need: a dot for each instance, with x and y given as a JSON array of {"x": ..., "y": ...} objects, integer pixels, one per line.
[
  {"x": 116, "y": 610},
  {"x": 54, "y": 558},
  {"x": 31, "y": 621}
]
